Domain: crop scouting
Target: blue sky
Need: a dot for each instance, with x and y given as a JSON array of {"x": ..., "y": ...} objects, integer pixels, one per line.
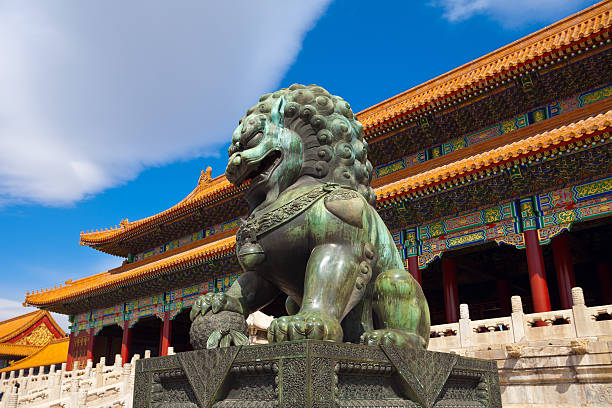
[{"x": 110, "y": 110}]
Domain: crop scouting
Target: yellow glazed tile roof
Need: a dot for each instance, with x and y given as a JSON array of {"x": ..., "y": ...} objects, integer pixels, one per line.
[
  {"x": 107, "y": 280},
  {"x": 54, "y": 352},
  {"x": 532, "y": 144},
  {"x": 17, "y": 350},
  {"x": 589, "y": 22},
  {"x": 13, "y": 327},
  {"x": 206, "y": 191}
]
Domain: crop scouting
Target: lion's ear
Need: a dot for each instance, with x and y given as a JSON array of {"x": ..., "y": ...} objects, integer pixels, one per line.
[{"x": 277, "y": 114}]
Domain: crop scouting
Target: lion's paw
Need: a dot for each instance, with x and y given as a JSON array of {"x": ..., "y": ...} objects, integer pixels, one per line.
[
  {"x": 393, "y": 337},
  {"x": 215, "y": 302},
  {"x": 307, "y": 325}
]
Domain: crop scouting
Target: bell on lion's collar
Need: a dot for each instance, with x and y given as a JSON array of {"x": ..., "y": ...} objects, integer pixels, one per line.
[{"x": 251, "y": 254}]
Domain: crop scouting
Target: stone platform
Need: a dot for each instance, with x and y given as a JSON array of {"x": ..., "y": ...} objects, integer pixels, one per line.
[{"x": 315, "y": 374}]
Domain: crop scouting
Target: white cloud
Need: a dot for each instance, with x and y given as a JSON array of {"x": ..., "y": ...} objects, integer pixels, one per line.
[
  {"x": 11, "y": 308},
  {"x": 510, "y": 13},
  {"x": 93, "y": 92}
]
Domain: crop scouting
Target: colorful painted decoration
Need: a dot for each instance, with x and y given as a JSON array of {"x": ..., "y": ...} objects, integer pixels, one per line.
[
  {"x": 549, "y": 213},
  {"x": 177, "y": 243},
  {"x": 506, "y": 126}
]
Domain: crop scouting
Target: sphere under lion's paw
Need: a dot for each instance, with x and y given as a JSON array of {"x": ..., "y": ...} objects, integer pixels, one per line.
[
  {"x": 393, "y": 337},
  {"x": 203, "y": 326}
]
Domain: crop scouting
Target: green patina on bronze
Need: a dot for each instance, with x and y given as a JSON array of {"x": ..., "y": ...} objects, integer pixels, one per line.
[{"x": 312, "y": 232}]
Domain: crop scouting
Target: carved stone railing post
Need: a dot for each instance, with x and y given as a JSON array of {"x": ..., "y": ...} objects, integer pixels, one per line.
[
  {"x": 59, "y": 380},
  {"x": 26, "y": 384},
  {"x": 465, "y": 331},
  {"x": 54, "y": 383},
  {"x": 88, "y": 368},
  {"x": 518, "y": 319},
  {"x": 127, "y": 380},
  {"x": 99, "y": 374},
  {"x": 82, "y": 398},
  {"x": 582, "y": 320},
  {"x": 74, "y": 390},
  {"x": 125, "y": 377},
  {"x": 130, "y": 388}
]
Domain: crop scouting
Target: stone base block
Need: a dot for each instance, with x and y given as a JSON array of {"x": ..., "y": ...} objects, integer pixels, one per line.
[{"x": 315, "y": 374}]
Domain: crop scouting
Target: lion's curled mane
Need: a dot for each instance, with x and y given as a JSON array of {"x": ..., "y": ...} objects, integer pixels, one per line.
[{"x": 334, "y": 147}]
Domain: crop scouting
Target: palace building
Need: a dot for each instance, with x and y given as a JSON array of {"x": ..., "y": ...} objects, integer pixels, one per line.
[{"x": 494, "y": 178}]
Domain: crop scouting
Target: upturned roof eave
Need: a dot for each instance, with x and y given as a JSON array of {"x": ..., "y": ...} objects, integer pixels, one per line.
[
  {"x": 89, "y": 286},
  {"x": 525, "y": 50},
  {"x": 203, "y": 195}
]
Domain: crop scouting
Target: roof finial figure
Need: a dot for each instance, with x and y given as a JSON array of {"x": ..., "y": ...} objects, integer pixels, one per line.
[{"x": 205, "y": 176}]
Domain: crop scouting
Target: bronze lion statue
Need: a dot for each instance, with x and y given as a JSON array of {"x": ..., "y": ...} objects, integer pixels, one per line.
[{"x": 312, "y": 233}]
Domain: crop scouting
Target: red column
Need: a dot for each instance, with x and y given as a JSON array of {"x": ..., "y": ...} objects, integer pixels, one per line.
[
  {"x": 126, "y": 341},
  {"x": 537, "y": 273},
  {"x": 564, "y": 268},
  {"x": 605, "y": 279},
  {"x": 90, "y": 344},
  {"x": 161, "y": 336},
  {"x": 451, "y": 293},
  {"x": 69, "y": 359},
  {"x": 166, "y": 333},
  {"x": 503, "y": 296},
  {"x": 413, "y": 268}
]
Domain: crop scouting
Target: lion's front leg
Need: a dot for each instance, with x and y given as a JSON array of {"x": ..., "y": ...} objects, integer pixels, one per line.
[
  {"x": 333, "y": 278},
  {"x": 402, "y": 310}
]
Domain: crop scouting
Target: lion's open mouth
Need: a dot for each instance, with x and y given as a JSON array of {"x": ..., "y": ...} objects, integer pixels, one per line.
[{"x": 262, "y": 170}]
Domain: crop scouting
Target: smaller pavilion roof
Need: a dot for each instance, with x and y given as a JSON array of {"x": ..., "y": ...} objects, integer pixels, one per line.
[
  {"x": 54, "y": 352},
  {"x": 11, "y": 328}
]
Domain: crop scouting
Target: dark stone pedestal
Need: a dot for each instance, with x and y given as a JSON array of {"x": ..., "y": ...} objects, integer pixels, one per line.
[{"x": 315, "y": 374}]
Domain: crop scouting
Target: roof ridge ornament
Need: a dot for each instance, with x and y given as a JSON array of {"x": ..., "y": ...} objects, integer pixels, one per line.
[{"x": 205, "y": 176}]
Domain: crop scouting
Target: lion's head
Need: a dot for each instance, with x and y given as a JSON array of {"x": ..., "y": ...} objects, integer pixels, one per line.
[{"x": 297, "y": 132}]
